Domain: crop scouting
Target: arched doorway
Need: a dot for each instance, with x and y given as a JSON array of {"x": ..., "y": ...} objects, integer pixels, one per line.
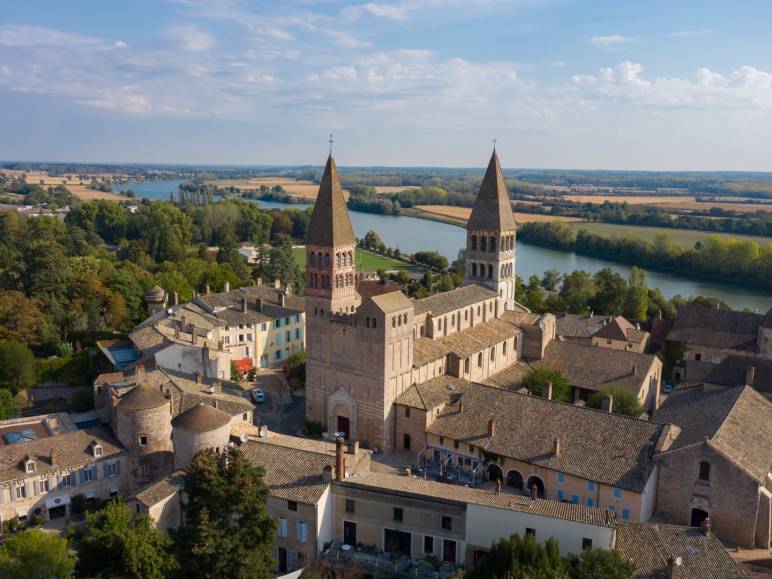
[
  {"x": 494, "y": 473},
  {"x": 406, "y": 441},
  {"x": 515, "y": 479},
  {"x": 539, "y": 484},
  {"x": 698, "y": 515},
  {"x": 341, "y": 420}
]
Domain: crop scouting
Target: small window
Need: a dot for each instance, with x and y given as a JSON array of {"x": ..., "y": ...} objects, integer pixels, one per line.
[
  {"x": 428, "y": 545},
  {"x": 442, "y": 440},
  {"x": 530, "y": 531},
  {"x": 143, "y": 440},
  {"x": 575, "y": 499},
  {"x": 560, "y": 495},
  {"x": 455, "y": 444},
  {"x": 447, "y": 523},
  {"x": 30, "y": 466},
  {"x": 43, "y": 486},
  {"x": 704, "y": 470},
  {"x": 398, "y": 514},
  {"x": 21, "y": 492},
  {"x": 350, "y": 506},
  {"x": 561, "y": 477},
  {"x": 292, "y": 505},
  {"x": 590, "y": 502},
  {"x": 98, "y": 451},
  {"x": 245, "y": 417},
  {"x": 407, "y": 411},
  {"x": 612, "y": 508},
  {"x": 618, "y": 493},
  {"x": 586, "y": 543},
  {"x": 590, "y": 485},
  {"x": 625, "y": 514}
]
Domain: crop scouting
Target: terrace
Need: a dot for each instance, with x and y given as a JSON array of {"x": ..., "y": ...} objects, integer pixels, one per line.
[{"x": 369, "y": 559}]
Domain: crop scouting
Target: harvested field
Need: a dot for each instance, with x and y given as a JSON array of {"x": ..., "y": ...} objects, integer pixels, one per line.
[
  {"x": 296, "y": 187},
  {"x": 462, "y": 214},
  {"x": 392, "y": 189},
  {"x": 668, "y": 202},
  {"x": 72, "y": 182},
  {"x": 683, "y": 237}
]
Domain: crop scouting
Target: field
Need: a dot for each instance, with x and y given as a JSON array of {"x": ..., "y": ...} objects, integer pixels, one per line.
[
  {"x": 72, "y": 182},
  {"x": 365, "y": 260},
  {"x": 683, "y": 237},
  {"x": 668, "y": 202},
  {"x": 296, "y": 187},
  {"x": 462, "y": 214}
]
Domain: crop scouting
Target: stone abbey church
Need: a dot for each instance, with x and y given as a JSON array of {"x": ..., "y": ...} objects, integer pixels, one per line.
[{"x": 367, "y": 343}]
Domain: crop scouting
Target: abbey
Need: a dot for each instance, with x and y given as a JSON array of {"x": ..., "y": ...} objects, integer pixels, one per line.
[{"x": 367, "y": 343}]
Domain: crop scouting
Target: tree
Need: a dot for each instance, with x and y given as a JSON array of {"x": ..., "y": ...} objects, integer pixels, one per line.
[
  {"x": 36, "y": 554},
  {"x": 116, "y": 543},
  {"x": 637, "y": 295},
  {"x": 534, "y": 296},
  {"x": 611, "y": 292},
  {"x": 282, "y": 264},
  {"x": 625, "y": 401},
  {"x": 521, "y": 558},
  {"x": 551, "y": 280},
  {"x": 596, "y": 563},
  {"x": 578, "y": 290},
  {"x": 20, "y": 318},
  {"x": 229, "y": 532},
  {"x": 9, "y": 404},
  {"x": 17, "y": 366},
  {"x": 296, "y": 366},
  {"x": 536, "y": 379}
]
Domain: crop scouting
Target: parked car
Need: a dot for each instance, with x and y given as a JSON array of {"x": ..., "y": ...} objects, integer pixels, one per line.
[
  {"x": 258, "y": 395},
  {"x": 667, "y": 388}
]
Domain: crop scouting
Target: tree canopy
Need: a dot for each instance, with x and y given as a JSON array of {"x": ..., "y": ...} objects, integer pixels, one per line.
[
  {"x": 536, "y": 380},
  {"x": 36, "y": 554}
]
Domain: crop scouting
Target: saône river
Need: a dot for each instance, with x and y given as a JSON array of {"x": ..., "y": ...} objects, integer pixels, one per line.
[{"x": 411, "y": 234}]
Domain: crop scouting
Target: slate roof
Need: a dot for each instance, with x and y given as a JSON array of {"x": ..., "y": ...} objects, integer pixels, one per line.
[
  {"x": 72, "y": 449},
  {"x": 330, "y": 225},
  {"x": 649, "y": 545},
  {"x": 201, "y": 418},
  {"x": 161, "y": 489},
  {"x": 735, "y": 421},
  {"x": 432, "y": 393},
  {"x": 227, "y": 307},
  {"x": 492, "y": 207},
  {"x": 732, "y": 372},
  {"x": 291, "y": 473},
  {"x": 455, "y": 299},
  {"x": 595, "y": 445},
  {"x": 714, "y": 328},
  {"x": 592, "y": 367},
  {"x": 459, "y": 495}
]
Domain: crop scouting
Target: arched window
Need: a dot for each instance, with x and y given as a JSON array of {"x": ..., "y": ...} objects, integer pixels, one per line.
[
  {"x": 350, "y": 258},
  {"x": 399, "y": 320},
  {"x": 337, "y": 259},
  {"x": 466, "y": 315},
  {"x": 492, "y": 244},
  {"x": 404, "y": 318},
  {"x": 704, "y": 470},
  {"x": 393, "y": 322},
  {"x": 367, "y": 321},
  {"x": 474, "y": 270},
  {"x": 479, "y": 360},
  {"x": 453, "y": 321},
  {"x": 423, "y": 330},
  {"x": 312, "y": 259},
  {"x": 327, "y": 260},
  {"x": 490, "y": 271},
  {"x": 474, "y": 243},
  {"x": 375, "y": 323},
  {"x": 493, "y": 354},
  {"x": 482, "y": 243},
  {"x": 504, "y": 349}
]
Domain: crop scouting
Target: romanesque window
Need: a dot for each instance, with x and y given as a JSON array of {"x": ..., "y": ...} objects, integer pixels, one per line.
[
  {"x": 312, "y": 259},
  {"x": 504, "y": 349},
  {"x": 466, "y": 365},
  {"x": 350, "y": 258},
  {"x": 453, "y": 321},
  {"x": 490, "y": 271},
  {"x": 404, "y": 318},
  {"x": 482, "y": 243},
  {"x": 423, "y": 330},
  {"x": 367, "y": 321},
  {"x": 327, "y": 260},
  {"x": 492, "y": 246},
  {"x": 704, "y": 471},
  {"x": 337, "y": 259},
  {"x": 479, "y": 360},
  {"x": 374, "y": 322},
  {"x": 493, "y": 354},
  {"x": 393, "y": 322},
  {"x": 474, "y": 270},
  {"x": 474, "y": 243}
]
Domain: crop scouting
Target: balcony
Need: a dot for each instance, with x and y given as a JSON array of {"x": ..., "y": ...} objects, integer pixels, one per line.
[{"x": 370, "y": 559}]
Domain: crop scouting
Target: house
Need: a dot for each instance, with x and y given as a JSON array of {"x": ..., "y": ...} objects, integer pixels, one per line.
[
  {"x": 46, "y": 461},
  {"x": 740, "y": 371},
  {"x": 530, "y": 444},
  {"x": 708, "y": 336},
  {"x": 719, "y": 464}
]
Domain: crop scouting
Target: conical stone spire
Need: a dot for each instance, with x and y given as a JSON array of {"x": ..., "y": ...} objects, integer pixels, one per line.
[
  {"x": 492, "y": 208},
  {"x": 330, "y": 225}
]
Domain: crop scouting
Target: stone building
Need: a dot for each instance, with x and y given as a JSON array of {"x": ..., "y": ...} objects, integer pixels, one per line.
[
  {"x": 614, "y": 332},
  {"x": 197, "y": 429},
  {"x": 736, "y": 371},
  {"x": 708, "y": 336},
  {"x": 719, "y": 466},
  {"x": 46, "y": 461}
]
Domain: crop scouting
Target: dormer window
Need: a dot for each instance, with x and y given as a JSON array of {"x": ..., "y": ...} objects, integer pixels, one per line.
[
  {"x": 29, "y": 464},
  {"x": 97, "y": 449}
]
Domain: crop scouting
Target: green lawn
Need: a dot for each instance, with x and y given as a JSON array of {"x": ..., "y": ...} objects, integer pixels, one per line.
[
  {"x": 684, "y": 237},
  {"x": 365, "y": 260}
]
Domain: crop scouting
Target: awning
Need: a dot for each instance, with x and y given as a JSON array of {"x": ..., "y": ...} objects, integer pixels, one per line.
[
  {"x": 90, "y": 494},
  {"x": 114, "y": 490},
  {"x": 53, "y": 502},
  {"x": 22, "y": 512},
  {"x": 244, "y": 365}
]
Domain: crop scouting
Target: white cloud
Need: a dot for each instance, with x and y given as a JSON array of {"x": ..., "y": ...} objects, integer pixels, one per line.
[
  {"x": 120, "y": 44},
  {"x": 687, "y": 33},
  {"x": 120, "y": 102},
  {"x": 189, "y": 37},
  {"x": 611, "y": 40},
  {"x": 29, "y": 36},
  {"x": 346, "y": 40}
]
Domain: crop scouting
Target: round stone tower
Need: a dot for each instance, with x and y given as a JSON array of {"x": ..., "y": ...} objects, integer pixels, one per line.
[
  {"x": 155, "y": 299},
  {"x": 143, "y": 425},
  {"x": 198, "y": 428}
]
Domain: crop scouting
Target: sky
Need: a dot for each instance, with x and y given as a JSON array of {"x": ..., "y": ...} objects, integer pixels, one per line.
[{"x": 574, "y": 84}]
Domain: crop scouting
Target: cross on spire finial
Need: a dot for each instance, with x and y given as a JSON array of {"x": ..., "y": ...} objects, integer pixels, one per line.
[
  {"x": 494, "y": 143},
  {"x": 330, "y": 141}
]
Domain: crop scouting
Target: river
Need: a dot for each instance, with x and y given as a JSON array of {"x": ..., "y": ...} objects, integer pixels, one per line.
[{"x": 411, "y": 234}]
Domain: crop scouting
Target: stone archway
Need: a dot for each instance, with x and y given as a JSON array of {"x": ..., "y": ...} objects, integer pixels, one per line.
[
  {"x": 341, "y": 414},
  {"x": 515, "y": 480},
  {"x": 494, "y": 473},
  {"x": 538, "y": 483}
]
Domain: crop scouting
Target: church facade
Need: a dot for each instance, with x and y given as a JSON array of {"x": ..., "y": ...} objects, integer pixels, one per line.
[{"x": 367, "y": 344}]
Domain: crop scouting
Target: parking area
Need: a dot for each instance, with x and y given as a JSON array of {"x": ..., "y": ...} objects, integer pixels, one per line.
[{"x": 283, "y": 411}]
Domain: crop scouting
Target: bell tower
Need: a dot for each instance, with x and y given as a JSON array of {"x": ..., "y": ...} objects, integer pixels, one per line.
[{"x": 490, "y": 238}]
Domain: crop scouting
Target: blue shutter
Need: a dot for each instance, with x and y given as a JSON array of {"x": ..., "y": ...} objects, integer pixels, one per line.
[
  {"x": 73, "y": 482},
  {"x": 104, "y": 470},
  {"x": 95, "y": 469},
  {"x": 59, "y": 482},
  {"x": 118, "y": 467},
  {"x": 82, "y": 473}
]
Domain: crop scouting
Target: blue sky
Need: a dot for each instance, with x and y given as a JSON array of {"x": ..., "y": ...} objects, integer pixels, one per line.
[{"x": 622, "y": 84}]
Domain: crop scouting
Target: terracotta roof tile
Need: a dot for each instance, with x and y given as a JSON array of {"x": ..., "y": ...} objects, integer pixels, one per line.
[
  {"x": 716, "y": 328},
  {"x": 161, "y": 489},
  {"x": 455, "y": 299}
]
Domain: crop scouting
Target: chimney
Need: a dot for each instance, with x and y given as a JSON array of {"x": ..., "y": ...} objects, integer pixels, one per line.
[
  {"x": 705, "y": 526},
  {"x": 608, "y": 404},
  {"x": 460, "y": 406},
  {"x": 206, "y": 289},
  {"x": 244, "y": 305},
  {"x": 175, "y": 298},
  {"x": 259, "y": 281},
  {"x": 340, "y": 459},
  {"x": 556, "y": 447},
  {"x": 327, "y": 473},
  {"x": 53, "y": 457},
  {"x": 277, "y": 283},
  {"x": 259, "y": 304},
  {"x": 635, "y": 369},
  {"x": 227, "y": 287},
  {"x": 281, "y": 298},
  {"x": 534, "y": 491},
  {"x": 750, "y": 375},
  {"x": 177, "y": 332},
  {"x": 492, "y": 427},
  {"x": 288, "y": 290},
  {"x": 548, "y": 390},
  {"x": 140, "y": 373},
  {"x": 198, "y": 377},
  {"x": 670, "y": 566}
]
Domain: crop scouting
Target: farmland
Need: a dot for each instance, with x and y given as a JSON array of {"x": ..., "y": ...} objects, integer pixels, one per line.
[
  {"x": 669, "y": 202},
  {"x": 462, "y": 214},
  {"x": 364, "y": 259},
  {"x": 72, "y": 182},
  {"x": 301, "y": 188},
  {"x": 683, "y": 237}
]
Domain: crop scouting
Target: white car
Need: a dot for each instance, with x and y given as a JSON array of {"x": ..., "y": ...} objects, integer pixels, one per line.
[{"x": 258, "y": 395}]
